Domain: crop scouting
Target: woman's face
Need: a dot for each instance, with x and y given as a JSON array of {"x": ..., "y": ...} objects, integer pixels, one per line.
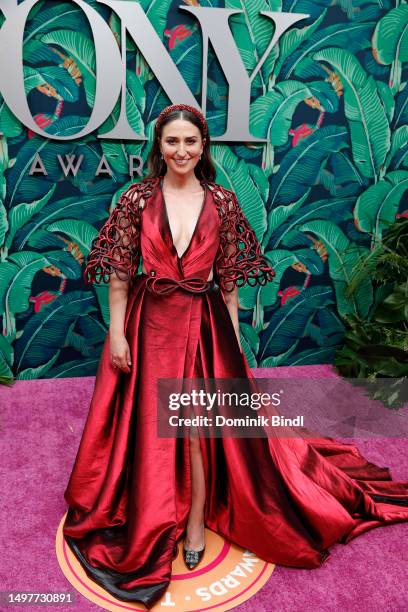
[{"x": 181, "y": 145}]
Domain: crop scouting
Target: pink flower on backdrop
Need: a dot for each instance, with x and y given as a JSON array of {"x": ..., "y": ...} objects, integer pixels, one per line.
[
  {"x": 301, "y": 132},
  {"x": 42, "y": 121},
  {"x": 176, "y": 35},
  {"x": 288, "y": 293},
  {"x": 42, "y": 299}
]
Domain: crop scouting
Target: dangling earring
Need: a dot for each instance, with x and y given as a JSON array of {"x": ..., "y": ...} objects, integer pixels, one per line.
[{"x": 162, "y": 156}]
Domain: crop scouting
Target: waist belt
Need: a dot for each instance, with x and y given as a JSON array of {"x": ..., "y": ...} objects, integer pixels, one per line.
[{"x": 162, "y": 285}]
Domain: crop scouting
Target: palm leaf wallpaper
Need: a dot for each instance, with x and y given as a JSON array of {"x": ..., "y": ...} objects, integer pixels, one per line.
[{"x": 332, "y": 102}]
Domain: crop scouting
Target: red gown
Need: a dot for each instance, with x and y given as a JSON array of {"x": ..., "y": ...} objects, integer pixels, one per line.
[{"x": 285, "y": 499}]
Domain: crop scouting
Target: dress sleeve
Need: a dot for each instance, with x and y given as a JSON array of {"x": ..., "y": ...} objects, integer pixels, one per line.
[
  {"x": 239, "y": 259},
  {"x": 116, "y": 248}
]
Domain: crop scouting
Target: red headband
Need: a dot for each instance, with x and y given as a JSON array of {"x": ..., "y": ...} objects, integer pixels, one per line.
[{"x": 192, "y": 109}]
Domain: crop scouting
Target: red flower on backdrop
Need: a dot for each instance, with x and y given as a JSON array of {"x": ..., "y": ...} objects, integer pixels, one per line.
[
  {"x": 42, "y": 299},
  {"x": 176, "y": 35},
  {"x": 42, "y": 121},
  {"x": 288, "y": 293},
  {"x": 302, "y": 131}
]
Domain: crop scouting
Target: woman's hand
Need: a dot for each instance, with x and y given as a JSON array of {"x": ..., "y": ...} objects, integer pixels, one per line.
[{"x": 120, "y": 353}]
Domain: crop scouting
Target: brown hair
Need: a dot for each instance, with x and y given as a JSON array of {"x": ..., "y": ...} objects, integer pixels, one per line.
[{"x": 204, "y": 169}]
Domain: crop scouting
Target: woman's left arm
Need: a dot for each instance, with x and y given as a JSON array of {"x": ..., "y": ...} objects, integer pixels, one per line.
[
  {"x": 231, "y": 301},
  {"x": 239, "y": 259}
]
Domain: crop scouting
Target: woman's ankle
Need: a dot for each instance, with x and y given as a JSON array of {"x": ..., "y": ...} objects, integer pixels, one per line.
[
  {"x": 195, "y": 524},
  {"x": 195, "y": 534}
]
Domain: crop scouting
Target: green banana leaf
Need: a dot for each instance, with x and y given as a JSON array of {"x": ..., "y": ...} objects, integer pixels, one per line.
[
  {"x": 16, "y": 277},
  {"x": 90, "y": 208},
  {"x": 33, "y": 348},
  {"x": 377, "y": 206},
  {"x": 369, "y": 128},
  {"x": 246, "y": 336},
  {"x": 342, "y": 256},
  {"x": 287, "y": 234},
  {"x": 287, "y": 325},
  {"x": 52, "y": 77},
  {"x": 92, "y": 329},
  {"x": 401, "y": 107},
  {"x": 311, "y": 357},
  {"x": 20, "y": 214},
  {"x": 386, "y": 98},
  {"x": 301, "y": 166},
  {"x": 291, "y": 41},
  {"x": 252, "y": 34},
  {"x": 10, "y": 126},
  {"x": 156, "y": 11},
  {"x": 399, "y": 139},
  {"x": 20, "y": 186},
  {"x": 249, "y": 296},
  {"x": 234, "y": 174},
  {"x": 74, "y": 369},
  {"x": 272, "y": 113},
  {"x": 135, "y": 107},
  {"x": 4, "y": 226},
  {"x": 48, "y": 18},
  {"x": 80, "y": 232},
  {"x": 39, "y": 371},
  {"x": 78, "y": 46},
  {"x": 390, "y": 43},
  {"x": 352, "y": 36},
  {"x": 6, "y": 360}
]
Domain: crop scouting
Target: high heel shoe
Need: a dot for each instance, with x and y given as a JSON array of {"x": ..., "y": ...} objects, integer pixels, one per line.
[{"x": 192, "y": 557}]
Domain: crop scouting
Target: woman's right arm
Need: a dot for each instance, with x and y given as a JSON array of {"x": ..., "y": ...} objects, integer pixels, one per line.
[
  {"x": 114, "y": 258},
  {"x": 119, "y": 347}
]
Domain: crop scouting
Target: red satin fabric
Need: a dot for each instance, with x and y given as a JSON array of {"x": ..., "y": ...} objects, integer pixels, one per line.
[{"x": 287, "y": 500}]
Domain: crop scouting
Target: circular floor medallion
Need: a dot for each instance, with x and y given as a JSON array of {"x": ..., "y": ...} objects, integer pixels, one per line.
[{"x": 225, "y": 578}]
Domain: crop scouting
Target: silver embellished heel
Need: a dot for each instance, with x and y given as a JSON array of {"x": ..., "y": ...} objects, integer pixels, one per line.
[{"x": 192, "y": 557}]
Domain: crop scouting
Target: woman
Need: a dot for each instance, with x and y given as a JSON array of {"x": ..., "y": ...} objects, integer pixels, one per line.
[{"x": 132, "y": 494}]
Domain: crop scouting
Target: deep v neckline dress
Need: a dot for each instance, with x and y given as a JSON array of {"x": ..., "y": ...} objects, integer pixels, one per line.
[
  {"x": 166, "y": 214},
  {"x": 129, "y": 493}
]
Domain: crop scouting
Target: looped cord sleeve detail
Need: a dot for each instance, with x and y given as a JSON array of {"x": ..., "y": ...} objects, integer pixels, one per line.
[
  {"x": 239, "y": 259},
  {"x": 116, "y": 248}
]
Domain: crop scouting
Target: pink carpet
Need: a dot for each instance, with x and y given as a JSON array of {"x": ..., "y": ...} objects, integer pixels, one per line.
[{"x": 41, "y": 423}]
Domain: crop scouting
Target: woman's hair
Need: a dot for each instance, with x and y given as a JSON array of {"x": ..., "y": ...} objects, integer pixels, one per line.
[{"x": 156, "y": 166}]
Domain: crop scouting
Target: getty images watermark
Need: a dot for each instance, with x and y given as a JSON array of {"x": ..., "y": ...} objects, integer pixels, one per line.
[
  {"x": 266, "y": 407},
  {"x": 207, "y": 401}
]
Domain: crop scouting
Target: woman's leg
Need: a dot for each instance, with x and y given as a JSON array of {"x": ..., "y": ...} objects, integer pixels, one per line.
[
  {"x": 194, "y": 539},
  {"x": 195, "y": 525}
]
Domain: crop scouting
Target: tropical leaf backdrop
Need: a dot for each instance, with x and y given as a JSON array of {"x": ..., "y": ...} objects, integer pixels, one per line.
[{"x": 332, "y": 101}]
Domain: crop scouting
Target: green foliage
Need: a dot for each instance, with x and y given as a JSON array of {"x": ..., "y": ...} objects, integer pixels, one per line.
[
  {"x": 367, "y": 120},
  {"x": 390, "y": 42},
  {"x": 377, "y": 346}
]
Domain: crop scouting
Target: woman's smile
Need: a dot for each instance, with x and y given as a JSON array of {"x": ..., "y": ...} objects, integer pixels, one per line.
[{"x": 181, "y": 147}]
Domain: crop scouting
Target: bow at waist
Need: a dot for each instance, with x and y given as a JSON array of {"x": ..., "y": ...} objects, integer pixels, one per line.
[{"x": 162, "y": 285}]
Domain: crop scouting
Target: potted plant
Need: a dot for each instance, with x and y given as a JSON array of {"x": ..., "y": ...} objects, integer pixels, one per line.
[{"x": 376, "y": 348}]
